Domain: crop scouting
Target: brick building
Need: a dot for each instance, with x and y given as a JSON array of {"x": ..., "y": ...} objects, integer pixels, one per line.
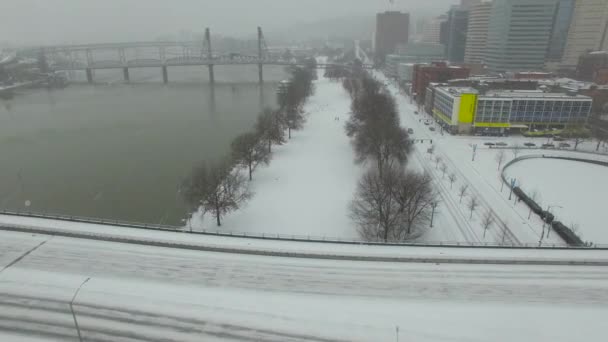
[{"x": 423, "y": 75}]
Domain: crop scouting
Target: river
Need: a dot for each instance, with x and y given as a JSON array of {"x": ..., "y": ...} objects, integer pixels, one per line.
[{"x": 119, "y": 151}]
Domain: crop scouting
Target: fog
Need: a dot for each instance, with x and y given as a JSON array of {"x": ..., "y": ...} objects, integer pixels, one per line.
[{"x": 26, "y": 22}]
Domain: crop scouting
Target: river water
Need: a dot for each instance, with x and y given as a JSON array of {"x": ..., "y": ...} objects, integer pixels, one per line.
[{"x": 119, "y": 151}]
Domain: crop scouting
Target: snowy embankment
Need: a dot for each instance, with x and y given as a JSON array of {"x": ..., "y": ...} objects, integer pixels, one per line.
[{"x": 311, "y": 179}]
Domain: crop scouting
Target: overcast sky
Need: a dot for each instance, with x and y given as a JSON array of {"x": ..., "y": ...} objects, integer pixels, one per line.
[{"x": 79, "y": 21}]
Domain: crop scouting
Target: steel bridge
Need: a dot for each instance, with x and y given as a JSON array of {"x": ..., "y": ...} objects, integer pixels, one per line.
[{"x": 162, "y": 54}]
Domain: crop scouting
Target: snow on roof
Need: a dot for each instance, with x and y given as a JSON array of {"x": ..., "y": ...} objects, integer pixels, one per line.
[
  {"x": 457, "y": 91},
  {"x": 533, "y": 94}
]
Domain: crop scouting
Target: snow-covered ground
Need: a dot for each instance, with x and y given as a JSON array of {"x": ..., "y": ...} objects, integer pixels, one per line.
[
  {"x": 482, "y": 176},
  {"x": 307, "y": 188},
  {"x": 574, "y": 190},
  {"x": 159, "y": 294}
]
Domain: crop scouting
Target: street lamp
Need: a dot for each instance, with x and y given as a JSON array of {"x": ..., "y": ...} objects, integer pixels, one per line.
[{"x": 549, "y": 211}]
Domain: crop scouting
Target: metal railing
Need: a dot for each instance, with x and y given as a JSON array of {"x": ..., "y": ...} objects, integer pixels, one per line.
[{"x": 285, "y": 237}]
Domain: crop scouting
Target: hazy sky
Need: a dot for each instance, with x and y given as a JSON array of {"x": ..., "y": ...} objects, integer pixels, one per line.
[{"x": 77, "y": 21}]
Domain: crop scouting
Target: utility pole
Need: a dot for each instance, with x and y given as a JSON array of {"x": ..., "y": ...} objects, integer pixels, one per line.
[
  {"x": 72, "y": 308},
  {"x": 260, "y": 56}
]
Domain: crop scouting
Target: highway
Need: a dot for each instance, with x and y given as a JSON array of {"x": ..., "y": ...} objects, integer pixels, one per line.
[{"x": 143, "y": 293}]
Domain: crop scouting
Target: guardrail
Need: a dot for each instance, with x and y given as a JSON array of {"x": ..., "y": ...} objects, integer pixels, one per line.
[{"x": 278, "y": 237}]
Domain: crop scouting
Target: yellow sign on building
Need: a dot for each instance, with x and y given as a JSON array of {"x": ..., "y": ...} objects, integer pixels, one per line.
[{"x": 466, "y": 112}]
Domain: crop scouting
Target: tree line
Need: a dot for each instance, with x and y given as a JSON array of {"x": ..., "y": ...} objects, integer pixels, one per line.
[
  {"x": 391, "y": 203},
  {"x": 223, "y": 186}
]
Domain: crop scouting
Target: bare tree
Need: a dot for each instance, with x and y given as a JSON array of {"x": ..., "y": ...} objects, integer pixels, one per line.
[
  {"x": 392, "y": 206},
  {"x": 472, "y": 205},
  {"x": 500, "y": 158},
  {"x": 248, "y": 151},
  {"x": 216, "y": 188},
  {"x": 416, "y": 198},
  {"x": 438, "y": 159},
  {"x": 444, "y": 169},
  {"x": 487, "y": 221},
  {"x": 452, "y": 178},
  {"x": 269, "y": 127},
  {"x": 374, "y": 209},
  {"x": 516, "y": 149},
  {"x": 578, "y": 141},
  {"x": 462, "y": 191},
  {"x": 294, "y": 119}
]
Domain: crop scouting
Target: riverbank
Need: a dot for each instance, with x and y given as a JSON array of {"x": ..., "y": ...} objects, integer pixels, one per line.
[{"x": 308, "y": 186}]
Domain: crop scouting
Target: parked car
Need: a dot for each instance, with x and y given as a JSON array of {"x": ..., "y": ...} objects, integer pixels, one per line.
[
  {"x": 558, "y": 138},
  {"x": 410, "y": 131},
  {"x": 427, "y": 123},
  {"x": 548, "y": 146},
  {"x": 416, "y": 112},
  {"x": 489, "y": 144},
  {"x": 564, "y": 145},
  {"x": 432, "y": 129},
  {"x": 503, "y": 144},
  {"x": 529, "y": 144}
]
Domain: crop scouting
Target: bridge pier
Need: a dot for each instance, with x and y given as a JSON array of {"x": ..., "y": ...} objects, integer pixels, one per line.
[
  {"x": 89, "y": 75},
  {"x": 125, "y": 73},
  {"x": 165, "y": 74},
  {"x": 211, "y": 75},
  {"x": 261, "y": 73}
]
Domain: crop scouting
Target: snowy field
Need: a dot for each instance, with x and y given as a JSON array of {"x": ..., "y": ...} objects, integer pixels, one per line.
[
  {"x": 307, "y": 188},
  {"x": 138, "y": 293},
  {"x": 572, "y": 186}
]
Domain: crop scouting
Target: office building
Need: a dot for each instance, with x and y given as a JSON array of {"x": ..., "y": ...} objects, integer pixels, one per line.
[
  {"x": 477, "y": 33},
  {"x": 561, "y": 26},
  {"x": 392, "y": 29},
  {"x": 432, "y": 30},
  {"x": 423, "y": 75},
  {"x": 518, "y": 34},
  {"x": 588, "y": 31},
  {"x": 465, "y": 110},
  {"x": 458, "y": 21}
]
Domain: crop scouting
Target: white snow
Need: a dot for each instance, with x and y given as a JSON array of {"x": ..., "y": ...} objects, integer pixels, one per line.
[
  {"x": 307, "y": 188},
  {"x": 576, "y": 188},
  {"x": 155, "y": 293}
]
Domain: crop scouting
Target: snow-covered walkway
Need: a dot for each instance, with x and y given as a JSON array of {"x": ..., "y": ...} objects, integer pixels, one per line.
[{"x": 311, "y": 179}]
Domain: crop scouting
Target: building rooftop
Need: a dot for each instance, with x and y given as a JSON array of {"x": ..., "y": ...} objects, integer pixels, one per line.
[
  {"x": 532, "y": 94},
  {"x": 457, "y": 91}
]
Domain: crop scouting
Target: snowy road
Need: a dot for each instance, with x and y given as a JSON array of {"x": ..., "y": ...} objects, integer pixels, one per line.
[{"x": 147, "y": 293}]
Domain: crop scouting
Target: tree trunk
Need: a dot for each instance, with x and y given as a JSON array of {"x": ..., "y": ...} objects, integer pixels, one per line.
[
  {"x": 289, "y": 130},
  {"x": 597, "y": 148},
  {"x": 250, "y": 172},
  {"x": 269, "y": 145},
  {"x": 217, "y": 216}
]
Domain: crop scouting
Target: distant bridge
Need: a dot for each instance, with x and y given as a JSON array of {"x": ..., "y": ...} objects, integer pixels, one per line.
[{"x": 161, "y": 54}]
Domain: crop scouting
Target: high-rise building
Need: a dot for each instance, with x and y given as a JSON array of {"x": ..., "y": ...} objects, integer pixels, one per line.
[
  {"x": 457, "y": 24},
  {"x": 432, "y": 30},
  {"x": 477, "y": 33},
  {"x": 561, "y": 25},
  {"x": 458, "y": 21},
  {"x": 588, "y": 31},
  {"x": 392, "y": 28},
  {"x": 519, "y": 34}
]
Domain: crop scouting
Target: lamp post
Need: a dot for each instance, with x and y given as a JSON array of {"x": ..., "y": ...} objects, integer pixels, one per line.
[{"x": 549, "y": 211}]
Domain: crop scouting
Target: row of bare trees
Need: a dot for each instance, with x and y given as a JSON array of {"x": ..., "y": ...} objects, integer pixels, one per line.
[
  {"x": 221, "y": 187},
  {"x": 391, "y": 203}
]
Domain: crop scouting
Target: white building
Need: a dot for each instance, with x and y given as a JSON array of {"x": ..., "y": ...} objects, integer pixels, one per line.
[
  {"x": 477, "y": 33},
  {"x": 588, "y": 31}
]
